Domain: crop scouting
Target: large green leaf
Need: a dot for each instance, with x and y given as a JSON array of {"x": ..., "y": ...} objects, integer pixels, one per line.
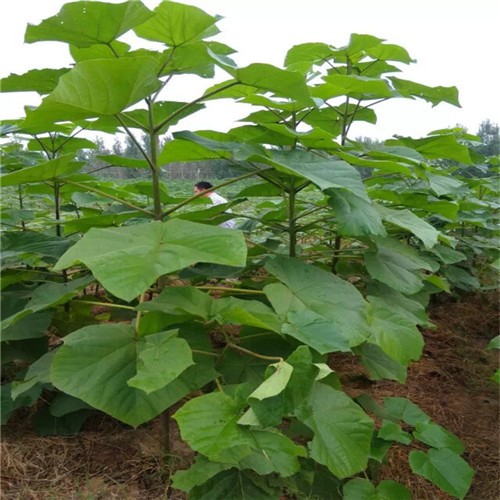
[
  {"x": 434, "y": 95},
  {"x": 203, "y": 146},
  {"x": 438, "y": 437},
  {"x": 419, "y": 201},
  {"x": 183, "y": 301},
  {"x": 245, "y": 312},
  {"x": 96, "y": 362},
  {"x": 32, "y": 326},
  {"x": 443, "y": 184},
  {"x": 383, "y": 163},
  {"x": 8, "y": 405},
  {"x": 320, "y": 309},
  {"x": 305, "y": 55},
  {"x": 403, "y": 409},
  {"x": 355, "y": 216},
  {"x": 209, "y": 424},
  {"x": 379, "y": 365},
  {"x": 100, "y": 51},
  {"x": 177, "y": 24},
  {"x": 22, "y": 246},
  {"x": 120, "y": 161},
  {"x": 273, "y": 452},
  {"x": 127, "y": 260},
  {"x": 192, "y": 58},
  {"x": 324, "y": 172},
  {"x": 358, "y": 87},
  {"x": 394, "y": 332},
  {"x": 284, "y": 391},
  {"x": 162, "y": 359},
  {"x": 38, "y": 373},
  {"x": 444, "y": 468},
  {"x": 396, "y": 265},
  {"x": 391, "y": 431},
  {"x": 363, "y": 489},
  {"x": 88, "y": 23},
  {"x": 98, "y": 87},
  {"x": 436, "y": 147},
  {"x": 342, "y": 431},
  {"x": 264, "y": 77},
  {"x": 235, "y": 485},
  {"x": 407, "y": 306},
  {"x": 83, "y": 224},
  {"x": 188, "y": 302},
  {"x": 238, "y": 367},
  {"x": 48, "y": 295},
  {"x": 47, "y": 171},
  {"x": 200, "y": 472},
  {"x": 411, "y": 222},
  {"x": 389, "y": 52},
  {"x": 274, "y": 384},
  {"x": 42, "y": 81}
]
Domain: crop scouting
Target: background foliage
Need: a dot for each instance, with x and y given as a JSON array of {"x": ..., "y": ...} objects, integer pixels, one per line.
[{"x": 340, "y": 245}]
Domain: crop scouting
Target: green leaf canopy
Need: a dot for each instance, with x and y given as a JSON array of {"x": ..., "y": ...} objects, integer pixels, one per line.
[
  {"x": 358, "y": 488},
  {"x": 342, "y": 431},
  {"x": 325, "y": 173},
  {"x": 177, "y": 24},
  {"x": 96, "y": 363},
  {"x": 48, "y": 295},
  {"x": 209, "y": 424},
  {"x": 444, "y": 468},
  {"x": 127, "y": 260},
  {"x": 97, "y": 87},
  {"x": 42, "y": 81},
  {"x": 162, "y": 359},
  {"x": 320, "y": 309},
  {"x": 71, "y": 24},
  {"x": 46, "y": 171},
  {"x": 396, "y": 264}
]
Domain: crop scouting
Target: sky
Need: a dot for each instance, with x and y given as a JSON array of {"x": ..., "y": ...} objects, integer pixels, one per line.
[{"x": 454, "y": 43}]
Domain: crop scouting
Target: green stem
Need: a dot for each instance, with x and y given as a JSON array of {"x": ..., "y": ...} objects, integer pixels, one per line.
[
  {"x": 105, "y": 304},
  {"x": 219, "y": 385},
  {"x": 177, "y": 112},
  {"x": 227, "y": 289},
  {"x": 254, "y": 336},
  {"x": 308, "y": 212},
  {"x": 110, "y": 196},
  {"x": 21, "y": 204},
  {"x": 252, "y": 353},
  {"x": 155, "y": 171},
  {"x": 335, "y": 260},
  {"x": 194, "y": 197},
  {"x": 292, "y": 227},
  {"x": 136, "y": 142},
  {"x": 57, "y": 207},
  {"x": 205, "y": 353},
  {"x": 139, "y": 315}
]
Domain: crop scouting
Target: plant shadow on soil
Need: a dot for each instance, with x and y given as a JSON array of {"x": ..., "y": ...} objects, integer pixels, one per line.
[{"x": 451, "y": 383}]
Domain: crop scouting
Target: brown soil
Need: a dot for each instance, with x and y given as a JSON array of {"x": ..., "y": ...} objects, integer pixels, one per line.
[{"x": 451, "y": 383}]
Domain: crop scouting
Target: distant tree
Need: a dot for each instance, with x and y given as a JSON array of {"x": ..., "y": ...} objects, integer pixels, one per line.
[
  {"x": 117, "y": 147},
  {"x": 490, "y": 139},
  {"x": 89, "y": 156},
  {"x": 131, "y": 149},
  {"x": 366, "y": 144},
  {"x": 369, "y": 143}
]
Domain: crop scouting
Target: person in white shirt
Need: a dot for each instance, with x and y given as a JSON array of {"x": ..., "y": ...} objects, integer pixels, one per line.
[{"x": 216, "y": 199}]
